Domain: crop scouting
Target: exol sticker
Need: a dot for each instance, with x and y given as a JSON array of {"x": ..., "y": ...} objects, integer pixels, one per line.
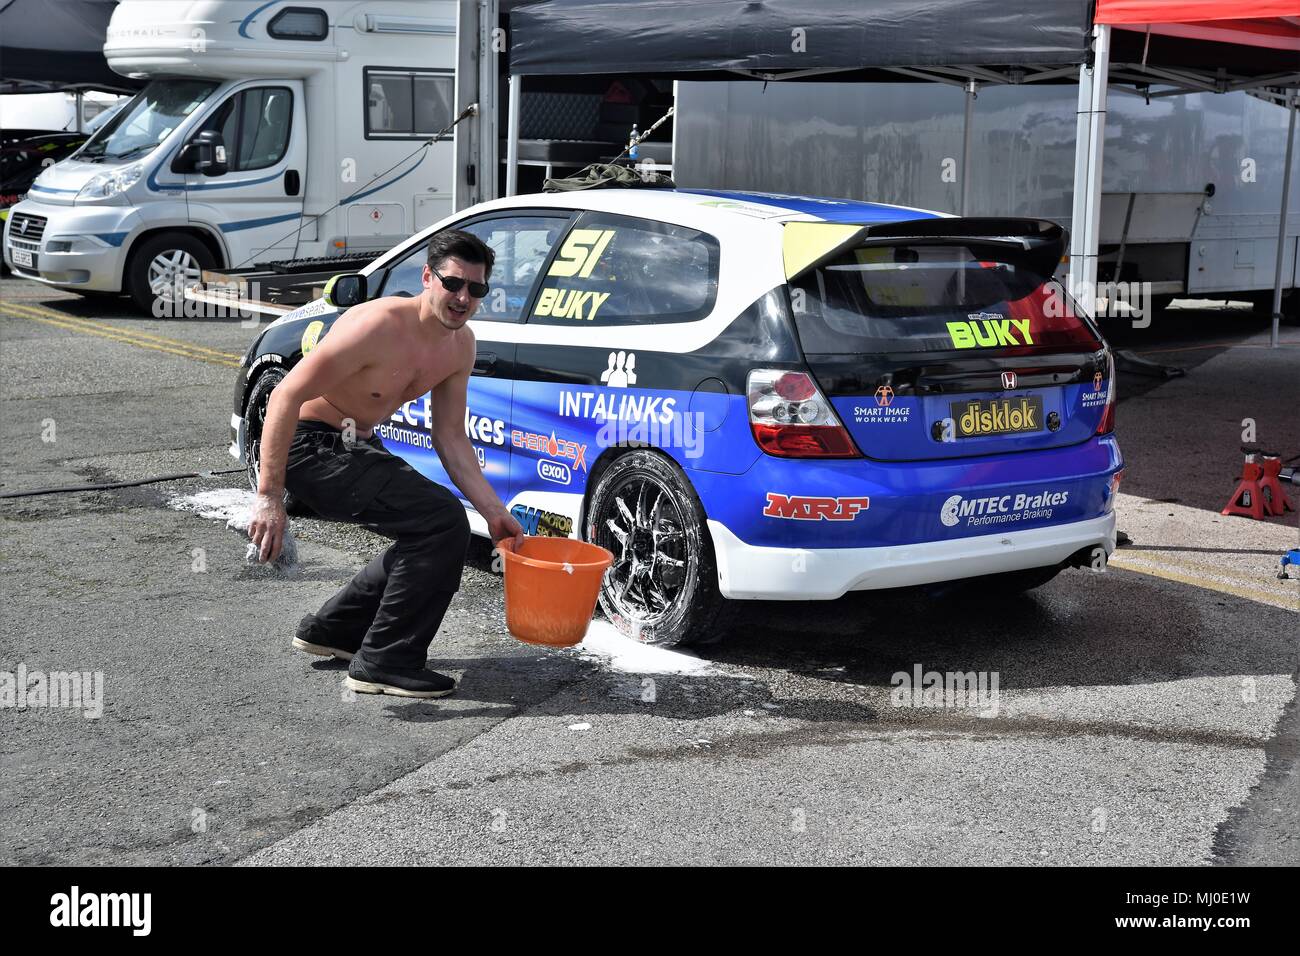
[
  {"x": 621, "y": 372},
  {"x": 1000, "y": 509},
  {"x": 311, "y": 335},
  {"x": 555, "y": 471},
  {"x": 546, "y": 524},
  {"x": 550, "y": 446},
  {"x": 803, "y": 508},
  {"x": 987, "y": 329}
]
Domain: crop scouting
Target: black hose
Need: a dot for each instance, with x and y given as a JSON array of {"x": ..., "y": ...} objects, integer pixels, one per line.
[{"x": 119, "y": 484}]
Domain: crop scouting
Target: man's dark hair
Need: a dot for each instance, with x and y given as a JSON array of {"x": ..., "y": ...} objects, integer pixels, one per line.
[{"x": 464, "y": 246}]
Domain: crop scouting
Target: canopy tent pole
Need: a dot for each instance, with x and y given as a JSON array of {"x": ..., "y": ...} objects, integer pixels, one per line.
[
  {"x": 971, "y": 89},
  {"x": 512, "y": 135},
  {"x": 1085, "y": 221},
  {"x": 1291, "y": 107}
]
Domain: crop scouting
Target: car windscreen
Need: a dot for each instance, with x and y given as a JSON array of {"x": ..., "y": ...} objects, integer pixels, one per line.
[
  {"x": 931, "y": 298},
  {"x": 147, "y": 120}
]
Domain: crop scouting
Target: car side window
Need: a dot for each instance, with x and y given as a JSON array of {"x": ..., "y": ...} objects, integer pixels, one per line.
[
  {"x": 617, "y": 270},
  {"x": 521, "y": 244},
  {"x": 255, "y": 126}
]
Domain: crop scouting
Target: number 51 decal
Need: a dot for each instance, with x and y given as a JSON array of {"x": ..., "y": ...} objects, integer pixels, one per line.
[{"x": 580, "y": 252}]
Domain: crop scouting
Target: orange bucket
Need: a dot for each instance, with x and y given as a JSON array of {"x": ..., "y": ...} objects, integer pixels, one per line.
[{"x": 551, "y": 588}]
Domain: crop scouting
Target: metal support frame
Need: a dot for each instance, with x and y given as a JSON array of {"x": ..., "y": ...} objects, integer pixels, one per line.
[
  {"x": 1291, "y": 107},
  {"x": 476, "y": 85},
  {"x": 512, "y": 135},
  {"x": 1085, "y": 221},
  {"x": 972, "y": 90}
]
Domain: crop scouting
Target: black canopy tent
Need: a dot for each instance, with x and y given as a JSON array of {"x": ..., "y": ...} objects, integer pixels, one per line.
[
  {"x": 968, "y": 43},
  {"x": 52, "y": 47},
  {"x": 716, "y": 39},
  {"x": 884, "y": 40}
]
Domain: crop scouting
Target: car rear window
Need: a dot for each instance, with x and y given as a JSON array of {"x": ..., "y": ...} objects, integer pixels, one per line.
[{"x": 934, "y": 298}]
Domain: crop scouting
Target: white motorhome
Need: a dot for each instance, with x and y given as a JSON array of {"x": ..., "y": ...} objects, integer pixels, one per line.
[{"x": 268, "y": 131}]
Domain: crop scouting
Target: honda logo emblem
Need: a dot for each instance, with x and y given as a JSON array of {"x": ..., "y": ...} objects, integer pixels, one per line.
[{"x": 1008, "y": 379}]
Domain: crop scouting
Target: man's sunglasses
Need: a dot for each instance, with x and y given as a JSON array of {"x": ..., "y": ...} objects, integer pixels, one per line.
[{"x": 454, "y": 284}]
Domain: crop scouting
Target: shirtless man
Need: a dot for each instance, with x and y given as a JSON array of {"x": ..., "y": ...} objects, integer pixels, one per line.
[{"x": 376, "y": 357}]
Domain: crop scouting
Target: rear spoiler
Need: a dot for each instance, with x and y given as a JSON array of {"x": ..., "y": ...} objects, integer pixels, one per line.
[{"x": 1035, "y": 245}]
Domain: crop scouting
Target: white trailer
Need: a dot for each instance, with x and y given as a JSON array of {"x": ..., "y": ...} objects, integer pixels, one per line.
[
  {"x": 1191, "y": 190},
  {"x": 267, "y": 131}
]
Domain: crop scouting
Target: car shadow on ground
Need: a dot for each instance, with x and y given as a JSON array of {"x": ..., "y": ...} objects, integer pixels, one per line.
[{"x": 1083, "y": 629}]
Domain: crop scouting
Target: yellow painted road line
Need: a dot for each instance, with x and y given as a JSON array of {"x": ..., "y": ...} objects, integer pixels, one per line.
[
  {"x": 15, "y": 312},
  {"x": 1237, "y": 588},
  {"x": 161, "y": 339}
]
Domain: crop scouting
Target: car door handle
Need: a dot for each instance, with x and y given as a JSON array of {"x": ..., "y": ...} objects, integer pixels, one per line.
[
  {"x": 292, "y": 182},
  {"x": 484, "y": 362}
]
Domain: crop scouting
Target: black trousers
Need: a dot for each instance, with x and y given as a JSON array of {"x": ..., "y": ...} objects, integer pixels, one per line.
[{"x": 391, "y": 610}]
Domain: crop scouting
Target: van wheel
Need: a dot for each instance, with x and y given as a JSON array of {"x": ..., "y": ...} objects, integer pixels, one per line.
[
  {"x": 254, "y": 419},
  {"x": 161, "y": 267},
  {"x": 663, "y": 586}
]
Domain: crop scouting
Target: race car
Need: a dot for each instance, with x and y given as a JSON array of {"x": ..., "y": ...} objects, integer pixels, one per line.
[{"x": 754, "y": 396}]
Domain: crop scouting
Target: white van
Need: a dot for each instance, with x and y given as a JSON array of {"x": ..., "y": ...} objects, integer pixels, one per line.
[{"x": 261, "y": 136}]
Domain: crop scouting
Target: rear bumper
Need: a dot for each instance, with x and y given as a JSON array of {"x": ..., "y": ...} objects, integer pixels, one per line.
[{"x": 750, "y": 571}]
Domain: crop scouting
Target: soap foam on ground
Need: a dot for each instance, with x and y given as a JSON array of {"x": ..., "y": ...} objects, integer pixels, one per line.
[
  {"x": 229, "y": 504},
  {"x": 605, "y": 644},
  {"x": 235, "y": 507}
]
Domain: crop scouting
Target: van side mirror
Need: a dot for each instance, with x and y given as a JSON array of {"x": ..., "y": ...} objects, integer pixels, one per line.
[
  {"x": 209, "y": 151},
  {"x": 345, "y": 291}
]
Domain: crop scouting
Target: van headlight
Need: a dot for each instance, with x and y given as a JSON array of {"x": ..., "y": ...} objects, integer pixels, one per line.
[{"x": 111, "y": 182}]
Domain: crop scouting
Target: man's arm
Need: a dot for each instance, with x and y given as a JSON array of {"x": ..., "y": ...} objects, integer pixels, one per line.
[
  {"x": 457, "y": 456},
  {"x": 342, "y": 353}
]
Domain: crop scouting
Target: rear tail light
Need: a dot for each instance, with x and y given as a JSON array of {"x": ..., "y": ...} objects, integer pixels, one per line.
[
  {"x": 790, "y": 418},
  {"x": 1113, "y": 491},
  {"x": 1107, "y": 423}
]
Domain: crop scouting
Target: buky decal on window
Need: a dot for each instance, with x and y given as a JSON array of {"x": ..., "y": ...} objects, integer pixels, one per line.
[{"x": 576, "y": 259}]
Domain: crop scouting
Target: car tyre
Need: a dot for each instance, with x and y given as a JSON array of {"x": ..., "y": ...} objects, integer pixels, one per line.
[
  {"x": 663, "y": 586},
  {"x": 254, "y": 418}
]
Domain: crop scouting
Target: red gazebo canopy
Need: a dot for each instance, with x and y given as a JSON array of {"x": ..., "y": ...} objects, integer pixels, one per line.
[{"x": 1274, "y": 24}]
